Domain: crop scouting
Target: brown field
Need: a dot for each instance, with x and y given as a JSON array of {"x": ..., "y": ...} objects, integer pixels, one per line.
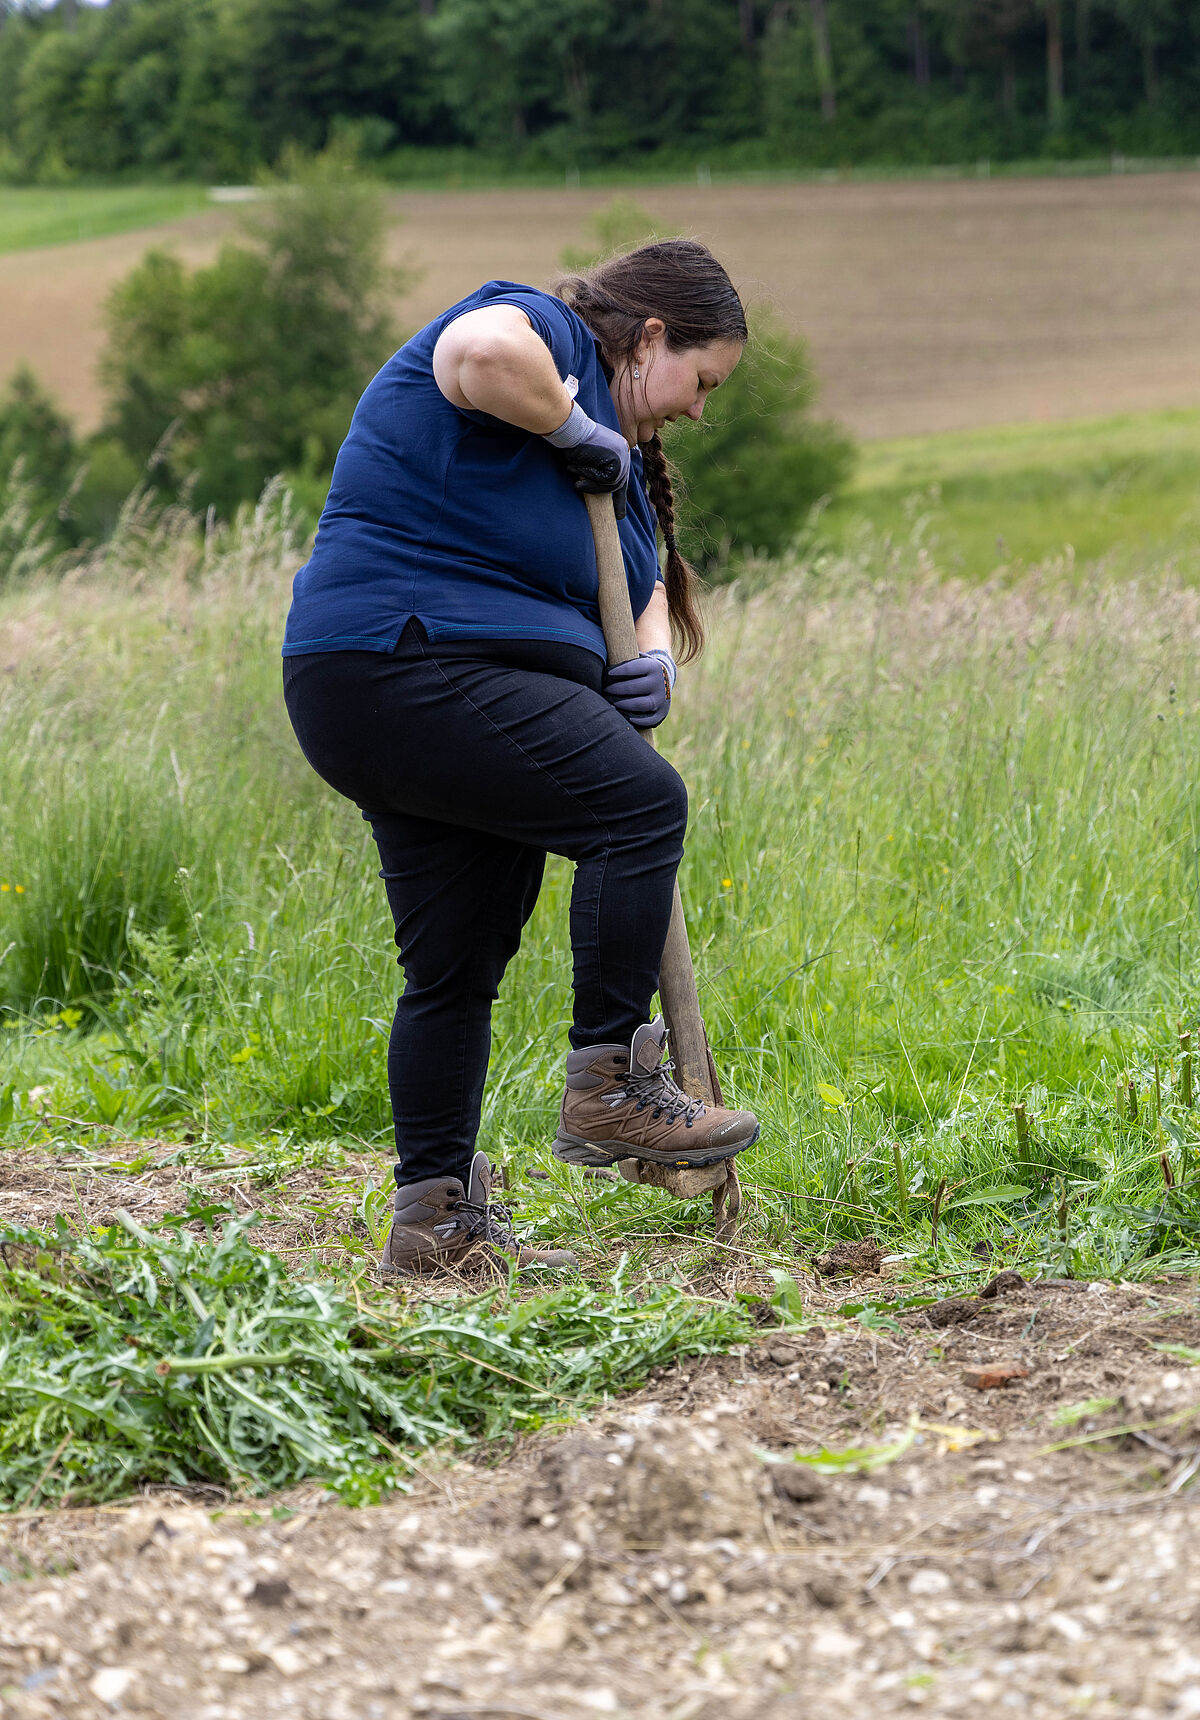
[{"x": 929, "y": 307}]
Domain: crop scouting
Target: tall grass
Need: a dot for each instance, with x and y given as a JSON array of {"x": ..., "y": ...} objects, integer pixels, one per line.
[{"x": 942, "y": 858}]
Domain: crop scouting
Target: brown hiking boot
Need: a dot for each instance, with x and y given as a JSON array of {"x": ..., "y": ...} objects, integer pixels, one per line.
[
  {"x": 623, "y": 1104},
  {"x": 436, "y": 1226}
]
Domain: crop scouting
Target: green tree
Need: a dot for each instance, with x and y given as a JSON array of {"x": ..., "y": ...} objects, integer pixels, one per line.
[
  {"x": 510, "y": 65},
  {"x": 227, "y": 374},
  {"x": 37, "y": 446}
]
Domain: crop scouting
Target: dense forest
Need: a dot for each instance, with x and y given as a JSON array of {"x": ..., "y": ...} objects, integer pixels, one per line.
[{"x": 215, "y": 89}]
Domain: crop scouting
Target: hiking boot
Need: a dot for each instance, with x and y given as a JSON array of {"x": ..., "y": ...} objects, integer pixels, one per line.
[
  {"x": 436, "y": 1226},
  {"x": 623, "y": 1104}
]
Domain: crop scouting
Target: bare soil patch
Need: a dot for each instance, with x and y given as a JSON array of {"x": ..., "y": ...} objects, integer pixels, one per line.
[
  {"x": 670, "y": 1560},
  {"x": 929, "y": 306}
]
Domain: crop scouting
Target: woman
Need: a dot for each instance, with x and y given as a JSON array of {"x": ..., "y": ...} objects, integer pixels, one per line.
[{"x": 445, "y": 669}]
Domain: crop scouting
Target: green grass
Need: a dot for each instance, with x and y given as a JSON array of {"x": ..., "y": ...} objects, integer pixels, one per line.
[
  {"x": 38, "y": 215},
  {"x": 1121, "y": 488},
  {"x": 943, "y": 858}
]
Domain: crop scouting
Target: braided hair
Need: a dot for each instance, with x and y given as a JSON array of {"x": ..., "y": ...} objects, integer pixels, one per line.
[{"x": 682, "y": 283}]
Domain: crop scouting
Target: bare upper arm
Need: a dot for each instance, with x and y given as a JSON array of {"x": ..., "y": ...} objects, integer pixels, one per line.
[{"x": 483, "y": 330}]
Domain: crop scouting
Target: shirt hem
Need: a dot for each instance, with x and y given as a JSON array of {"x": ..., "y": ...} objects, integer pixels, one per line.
[{"x": 436, "y": 630}]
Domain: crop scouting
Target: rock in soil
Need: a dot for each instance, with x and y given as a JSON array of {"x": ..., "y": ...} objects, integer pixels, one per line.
[{"x": 994, "y": 1375}]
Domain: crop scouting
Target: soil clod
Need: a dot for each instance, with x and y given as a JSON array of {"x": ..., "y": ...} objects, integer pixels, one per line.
[{"x": 850, "y": 1259}]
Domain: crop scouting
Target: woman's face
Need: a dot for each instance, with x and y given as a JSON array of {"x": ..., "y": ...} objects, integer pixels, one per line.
[{"x": 671, "y": 384}]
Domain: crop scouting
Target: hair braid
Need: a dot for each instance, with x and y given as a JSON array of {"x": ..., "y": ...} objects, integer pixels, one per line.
[
  {"x": 687, "y": 623},
  {"x": 681, "y": 282}
]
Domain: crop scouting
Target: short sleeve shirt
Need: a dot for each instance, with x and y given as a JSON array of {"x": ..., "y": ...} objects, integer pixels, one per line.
[{"x": 453, "y": 517}]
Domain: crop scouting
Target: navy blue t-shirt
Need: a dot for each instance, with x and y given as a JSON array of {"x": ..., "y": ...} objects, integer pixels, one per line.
[{"x": 467, "y": 523}]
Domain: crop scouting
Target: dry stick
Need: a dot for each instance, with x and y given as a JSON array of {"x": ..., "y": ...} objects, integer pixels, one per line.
[
  {"x": 937, "y": 1209},
  {"x": 677, "y": 977}
]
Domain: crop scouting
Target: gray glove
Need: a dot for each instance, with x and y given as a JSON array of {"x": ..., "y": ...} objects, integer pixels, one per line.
[
  {"x": 641, "y": 689},
  {"x": 596, "y": 457}
]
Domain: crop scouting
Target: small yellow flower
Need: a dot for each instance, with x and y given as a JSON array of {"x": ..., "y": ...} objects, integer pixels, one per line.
[
  {"x": 727, "y": 883},
  {"x": 20, "y": 889},
  {"x": 5, "y": 887}
]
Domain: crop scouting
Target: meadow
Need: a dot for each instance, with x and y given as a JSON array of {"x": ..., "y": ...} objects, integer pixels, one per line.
[
  {"x": 1120, "y": 489},
  {"x": 35, "y": 215},
  {"x": 942, "y": 863}
]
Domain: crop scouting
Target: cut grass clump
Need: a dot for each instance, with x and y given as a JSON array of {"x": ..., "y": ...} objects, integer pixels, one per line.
[{"x": 131, "y": 1357}]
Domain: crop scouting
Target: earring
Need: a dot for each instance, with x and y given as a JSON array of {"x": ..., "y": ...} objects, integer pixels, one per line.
[{"x": 636, "y": 371}]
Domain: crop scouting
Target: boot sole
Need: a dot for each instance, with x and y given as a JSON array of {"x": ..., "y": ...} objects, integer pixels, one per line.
[{"x": 573, "y": 1150}]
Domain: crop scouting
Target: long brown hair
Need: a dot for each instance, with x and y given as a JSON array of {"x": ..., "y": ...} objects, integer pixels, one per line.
[{"x": 681, "y": 282}]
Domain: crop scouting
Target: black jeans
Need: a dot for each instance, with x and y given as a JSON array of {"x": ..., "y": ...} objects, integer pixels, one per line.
[{"x": 469, "y": 771}]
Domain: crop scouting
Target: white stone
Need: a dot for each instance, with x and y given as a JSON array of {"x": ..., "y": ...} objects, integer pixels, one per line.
[
  {"x": 928, "y": 1582},
  {"x": 604, "y": 1701},
  {"x": 111, "y": 1683},
  {"x": 550, "y": 1631},
  {"x": 286, "y": 1660},
  {"x": 832, "y": 1644},
  {"x": 471, "y": 1558},
  {"x": 878, "y": 1498},
  {"x": 1066, "y": 1626}
]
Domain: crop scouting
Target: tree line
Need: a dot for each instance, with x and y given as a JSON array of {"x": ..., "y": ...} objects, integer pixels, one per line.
[{"x": 216, "y": 89}]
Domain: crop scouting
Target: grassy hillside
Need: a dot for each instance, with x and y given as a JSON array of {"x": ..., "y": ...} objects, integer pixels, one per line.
[
  {"x": 1121, "y": 488},
  {"x": 39, "y": 215},
  {"x": 942, "y": 859}
]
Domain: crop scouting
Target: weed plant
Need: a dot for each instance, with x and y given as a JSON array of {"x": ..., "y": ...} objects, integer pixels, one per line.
[
  {"x": 942, "y": 861},
  {"x": 130, "y": 1356}
]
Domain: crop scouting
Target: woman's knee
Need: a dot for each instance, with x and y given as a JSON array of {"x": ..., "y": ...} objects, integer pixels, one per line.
[{"x": 662, "y": 802}]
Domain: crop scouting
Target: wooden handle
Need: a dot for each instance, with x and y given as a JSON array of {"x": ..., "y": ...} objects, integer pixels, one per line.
[{"x": 677, "y": 977}]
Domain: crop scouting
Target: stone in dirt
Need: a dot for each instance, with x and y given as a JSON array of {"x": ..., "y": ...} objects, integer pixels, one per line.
[
  {"x": 850, "y": 1258},
  {"x": 1002, "y": 1285},
  {"x": 796, "y": 1482},
  {"x": 998, "y": 1374}
]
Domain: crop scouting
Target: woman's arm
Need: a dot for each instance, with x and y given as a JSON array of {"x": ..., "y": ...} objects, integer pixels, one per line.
[
  {"x": 491, "y": 360},
  {"x": 653, "y": 625}
]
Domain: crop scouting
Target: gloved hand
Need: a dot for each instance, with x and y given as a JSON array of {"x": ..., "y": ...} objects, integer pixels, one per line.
[
  {"x": 641, "y": 689},
  {"x": 596, "y": 457}
]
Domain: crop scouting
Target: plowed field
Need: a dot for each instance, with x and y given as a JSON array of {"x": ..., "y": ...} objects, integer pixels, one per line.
[{"x": 929, "y": 306}]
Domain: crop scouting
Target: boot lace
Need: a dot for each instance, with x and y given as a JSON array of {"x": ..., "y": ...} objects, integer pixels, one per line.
[
  {"x": 489, "y": 1219},
  {"x": 660, "y": 1090}
]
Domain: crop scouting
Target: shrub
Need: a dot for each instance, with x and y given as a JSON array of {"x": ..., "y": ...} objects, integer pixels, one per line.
[
  {"x": 753, "y": 468},
  {"x": 225, "y": 375},
  {"x": 37, "y": 447}
]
